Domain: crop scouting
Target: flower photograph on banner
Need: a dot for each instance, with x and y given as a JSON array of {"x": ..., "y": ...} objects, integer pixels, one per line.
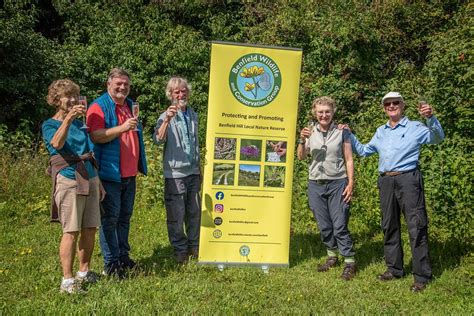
[
  {"x": 275, "y": 151},
  {"x": 250, "y": 149}
]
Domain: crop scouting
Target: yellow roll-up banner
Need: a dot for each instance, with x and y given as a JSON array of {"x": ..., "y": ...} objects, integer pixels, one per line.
[{"x": 251, "y": 128}]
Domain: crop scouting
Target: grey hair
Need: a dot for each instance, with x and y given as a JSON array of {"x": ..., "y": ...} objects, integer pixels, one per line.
[
  {"x": 117, "y": 72},
  {"x": 174, "y": 82},
  {"x": 323, "y": 101}
]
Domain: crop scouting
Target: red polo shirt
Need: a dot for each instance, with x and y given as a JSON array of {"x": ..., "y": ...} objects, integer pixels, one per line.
[{"x": 129, "y": 145}]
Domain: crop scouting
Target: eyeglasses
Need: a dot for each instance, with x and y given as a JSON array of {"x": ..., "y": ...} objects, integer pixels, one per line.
[{"x": 393, "y": 102}]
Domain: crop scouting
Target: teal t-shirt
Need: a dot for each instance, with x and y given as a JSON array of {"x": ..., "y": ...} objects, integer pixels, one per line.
[{"x": 77, "y": 143}]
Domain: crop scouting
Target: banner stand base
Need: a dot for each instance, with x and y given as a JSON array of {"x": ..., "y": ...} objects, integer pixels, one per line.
[{"x": 264, "y": 266}]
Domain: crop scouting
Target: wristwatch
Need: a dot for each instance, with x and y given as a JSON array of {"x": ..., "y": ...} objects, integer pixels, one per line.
[{"x": 301, "y": 141}]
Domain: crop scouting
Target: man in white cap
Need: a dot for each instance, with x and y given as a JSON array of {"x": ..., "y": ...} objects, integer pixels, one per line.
[{"x": 400, "y": 185}]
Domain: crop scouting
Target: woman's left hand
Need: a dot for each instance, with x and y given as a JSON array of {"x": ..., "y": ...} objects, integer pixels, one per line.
[
  {"x": 102, "y": 193},
  {"x": 347, "y": 194}
]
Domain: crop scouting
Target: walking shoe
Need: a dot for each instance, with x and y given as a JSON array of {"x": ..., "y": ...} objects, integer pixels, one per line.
[
  {"x": 114, "y": 270},
  {"x": 127, "y": 264},
  {"x": 181, "y": 257},
  {"x": 89, "y": 278},
  {"x": 418, "y": 287},
  {"x": 331, "y": 262},
  {"x": 74, "y": 287},
  {"x": 194, "y": 253},
  {"x": 387, "y": 276},
  {"x": 350, "y": 270}
]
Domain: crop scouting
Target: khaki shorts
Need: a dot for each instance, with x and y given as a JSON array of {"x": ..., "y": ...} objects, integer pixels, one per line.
[{"x": 77, "y": 211}]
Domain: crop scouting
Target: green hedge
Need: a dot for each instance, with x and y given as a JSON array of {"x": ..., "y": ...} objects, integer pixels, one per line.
[{"x": 354, "y": 51}]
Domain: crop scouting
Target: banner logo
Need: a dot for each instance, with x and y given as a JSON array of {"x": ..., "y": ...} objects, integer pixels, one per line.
[
  {"x": 244, "y": 250},
  {"x": 255, "y": 80}
]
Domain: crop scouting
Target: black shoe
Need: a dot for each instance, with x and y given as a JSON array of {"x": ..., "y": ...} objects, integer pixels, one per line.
[
  {"x": 127, "y": 264},
  {"x": 114, "y": 270},
  {"x": 194, "y": 253},
  {"x": 388, "y": 276},
  {"x": 418, "y": 287},
  {"x": 350, "y": 270},
  {"x": 331, "y": 262},
  {"x": 181, "y": 257}
]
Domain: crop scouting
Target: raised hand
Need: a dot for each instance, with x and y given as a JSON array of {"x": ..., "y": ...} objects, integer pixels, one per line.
[
  {"x": 425, "y": 110},
  {"x": 76, "y": 110}
]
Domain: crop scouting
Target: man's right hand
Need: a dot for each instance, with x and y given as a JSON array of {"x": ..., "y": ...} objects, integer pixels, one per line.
[{"x": 171, "y": 112}]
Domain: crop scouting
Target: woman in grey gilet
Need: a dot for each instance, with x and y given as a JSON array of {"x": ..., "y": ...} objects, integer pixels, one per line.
[{"x": 331, "y": 179}]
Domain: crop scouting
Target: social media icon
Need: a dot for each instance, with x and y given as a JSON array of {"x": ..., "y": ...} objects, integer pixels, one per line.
[
  {"x": 218, "y": 221},
  {"x": 220, "y": 195},
  {"x": 217, "y": 233},
  {"x": 219, "y": 208}
]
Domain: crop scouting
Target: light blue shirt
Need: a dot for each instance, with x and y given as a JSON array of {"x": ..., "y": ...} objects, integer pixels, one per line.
[{"x": 399, "y": 147}]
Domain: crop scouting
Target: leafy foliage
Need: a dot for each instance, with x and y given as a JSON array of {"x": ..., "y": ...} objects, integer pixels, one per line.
[{"x": 354, "y": 51}]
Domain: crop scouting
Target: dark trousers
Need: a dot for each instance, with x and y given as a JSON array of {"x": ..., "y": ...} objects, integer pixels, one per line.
[
  {"x": 404, "y": 193},
  {"x": 332, "y": 214},
  {"x": 115, "y": 221},
  {"x": 183, "y": 212}
]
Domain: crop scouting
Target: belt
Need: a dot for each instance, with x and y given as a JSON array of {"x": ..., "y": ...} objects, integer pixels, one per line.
[
  {"x": 322, "y": 181},
  {"x": 395, "y": 173}
]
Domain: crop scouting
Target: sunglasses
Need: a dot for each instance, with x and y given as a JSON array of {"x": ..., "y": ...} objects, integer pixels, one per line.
[{"x": 393, "y": 102}]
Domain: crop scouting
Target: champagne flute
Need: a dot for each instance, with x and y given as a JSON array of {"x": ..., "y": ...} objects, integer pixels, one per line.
[
  {"x": 174, "y": 104},
  {"x": 135, "y": 111},
  {"x": 421, "y": 103},
  {"x": 83, "y": 101}
]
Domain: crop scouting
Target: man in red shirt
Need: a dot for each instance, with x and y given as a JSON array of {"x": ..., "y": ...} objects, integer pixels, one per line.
[{"x": 119, "y": 150}]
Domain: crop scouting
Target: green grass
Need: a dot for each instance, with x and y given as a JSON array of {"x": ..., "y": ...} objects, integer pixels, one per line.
[{"x": 30, "y": 273}]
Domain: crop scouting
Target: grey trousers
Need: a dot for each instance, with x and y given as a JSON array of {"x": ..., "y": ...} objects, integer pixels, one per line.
[
  {"x": 405, "y": 193},
  {"x": 332, "y": 214},
  {"x": 183, "y": 212}
]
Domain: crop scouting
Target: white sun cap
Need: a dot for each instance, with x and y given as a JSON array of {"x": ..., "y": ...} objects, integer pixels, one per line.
[{"x": 392, "y": 95}]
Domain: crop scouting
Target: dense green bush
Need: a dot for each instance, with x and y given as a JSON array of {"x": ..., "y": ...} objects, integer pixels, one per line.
[{"x": 354, "y": 51}]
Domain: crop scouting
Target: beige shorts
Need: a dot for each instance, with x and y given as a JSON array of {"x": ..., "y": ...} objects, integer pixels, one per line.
[{"x": 77, "y": 211}]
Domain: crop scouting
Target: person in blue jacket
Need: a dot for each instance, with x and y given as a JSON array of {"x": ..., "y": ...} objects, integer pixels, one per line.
[{"x": 120, "y": 153}]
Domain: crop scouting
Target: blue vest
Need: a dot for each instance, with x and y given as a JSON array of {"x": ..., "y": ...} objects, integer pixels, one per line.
[{"x": 108, "y": 154}]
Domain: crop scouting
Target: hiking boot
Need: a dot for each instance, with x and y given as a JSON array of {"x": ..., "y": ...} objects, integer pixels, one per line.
[
  {"x": 387, "y": 276},
  {"x": 127, "y": 264},
  {"x": 331, "y": 262},
  {"x": 89, "y": 278},
  {"x": 74, "y": 287},
  {"x": 194, "y": 253},
  {"x": 350, "y": 270},
  {"x": 418, "y": 287},
  {"x": 181, "y": 257},
  {"x": 114, "y": 270}
]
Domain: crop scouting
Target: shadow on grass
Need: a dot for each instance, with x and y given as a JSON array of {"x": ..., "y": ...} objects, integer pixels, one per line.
[
  {"x": 447, "y": 255},
  {"x": 160, "y": 263},
  {"x": 306, "y": 246}
]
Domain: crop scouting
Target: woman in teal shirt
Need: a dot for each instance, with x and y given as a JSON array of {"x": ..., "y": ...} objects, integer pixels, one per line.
[{"x": 76, "y": 187}]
